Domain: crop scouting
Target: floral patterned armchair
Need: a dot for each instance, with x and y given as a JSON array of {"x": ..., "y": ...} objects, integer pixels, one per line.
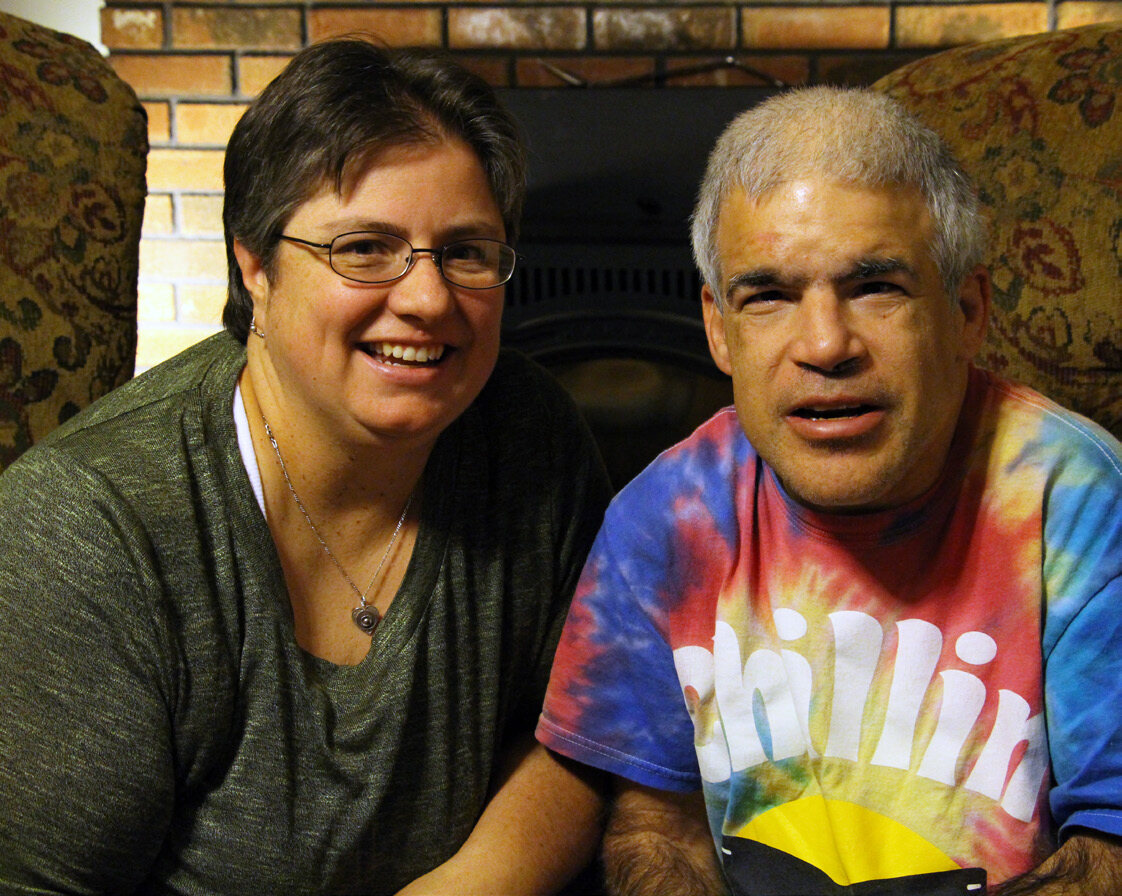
[
  {"x": 1038, "y": 123},
  {"x": 73, "y": 150}
]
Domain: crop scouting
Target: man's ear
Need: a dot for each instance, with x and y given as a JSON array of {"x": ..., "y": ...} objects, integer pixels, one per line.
[
  {"x": 974, "y": 299},
  {"x": 715, "y": 330},
  {"x": 253, "y": 273}
]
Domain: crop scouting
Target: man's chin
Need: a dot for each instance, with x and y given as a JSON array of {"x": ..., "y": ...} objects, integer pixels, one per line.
[
  {"x": 839, "y": 491},
  {"x": 839, "y": 505}
]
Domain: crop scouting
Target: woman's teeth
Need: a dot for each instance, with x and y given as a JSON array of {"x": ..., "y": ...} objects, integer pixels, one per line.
[{"x": 414, "y": 354}]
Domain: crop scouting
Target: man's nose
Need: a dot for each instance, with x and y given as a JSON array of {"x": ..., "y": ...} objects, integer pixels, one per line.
[{"x": 825, "y": 338}]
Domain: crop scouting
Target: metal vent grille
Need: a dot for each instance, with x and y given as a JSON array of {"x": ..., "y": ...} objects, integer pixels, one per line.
[
  {"x": 534, "y": 284},
  {"x": 552, "y": 273},
  {"x": 571, "y": 302}
]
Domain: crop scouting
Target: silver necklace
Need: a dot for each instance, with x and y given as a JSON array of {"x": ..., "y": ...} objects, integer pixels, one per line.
[{"x": 365, "y": 616}]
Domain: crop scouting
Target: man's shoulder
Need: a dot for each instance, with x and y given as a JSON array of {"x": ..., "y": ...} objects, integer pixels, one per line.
[
  {"x": 719, "y": 441},
  {"x": 707, "y": 465},
  {"x": 1041, "y": 428}
]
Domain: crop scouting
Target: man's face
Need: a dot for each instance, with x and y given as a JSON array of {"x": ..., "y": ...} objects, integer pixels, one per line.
[{"x": 848, "y": 361}]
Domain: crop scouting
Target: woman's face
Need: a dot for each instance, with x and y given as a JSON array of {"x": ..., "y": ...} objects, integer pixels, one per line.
[{"x": 332, "y": 353}]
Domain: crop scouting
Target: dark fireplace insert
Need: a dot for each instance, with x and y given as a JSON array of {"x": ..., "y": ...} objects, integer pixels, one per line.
[{"x": 606, "y": 294}]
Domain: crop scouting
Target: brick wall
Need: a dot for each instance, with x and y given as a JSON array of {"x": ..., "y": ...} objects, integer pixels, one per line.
[{"x": 196, "y": 64}]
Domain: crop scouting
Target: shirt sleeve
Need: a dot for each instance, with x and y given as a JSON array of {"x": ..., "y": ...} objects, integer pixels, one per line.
[
  {"x": 1083, "y": 637},
  {"x": 614, "y": 700},
  {"x": 86, "y": 769}
]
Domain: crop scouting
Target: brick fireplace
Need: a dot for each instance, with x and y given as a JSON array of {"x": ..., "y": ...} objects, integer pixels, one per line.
[{"x": 196, "y": 63}]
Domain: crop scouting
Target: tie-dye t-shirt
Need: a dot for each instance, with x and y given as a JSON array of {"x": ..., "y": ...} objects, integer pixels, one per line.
[{"x": 912, "y": 692}]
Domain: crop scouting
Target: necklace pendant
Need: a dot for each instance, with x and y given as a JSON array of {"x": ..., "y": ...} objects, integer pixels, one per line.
[{"x": 366, "y": 618}]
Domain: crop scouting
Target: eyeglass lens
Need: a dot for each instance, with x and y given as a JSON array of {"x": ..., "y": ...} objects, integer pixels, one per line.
[{"x": 372, "y": 257}]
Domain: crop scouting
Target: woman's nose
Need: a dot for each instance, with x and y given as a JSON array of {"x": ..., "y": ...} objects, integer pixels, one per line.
[{"x": 422, "y": 290}]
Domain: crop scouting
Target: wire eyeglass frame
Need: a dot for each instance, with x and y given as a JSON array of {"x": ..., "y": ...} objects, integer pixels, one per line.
[{"x": 502, "y": 268}]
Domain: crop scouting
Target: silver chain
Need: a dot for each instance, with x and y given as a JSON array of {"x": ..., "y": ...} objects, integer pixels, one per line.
[{"x": 365, "y": 617}]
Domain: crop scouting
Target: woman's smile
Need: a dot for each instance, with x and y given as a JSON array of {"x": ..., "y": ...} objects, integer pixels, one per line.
[{"x": 408, "y": 355}]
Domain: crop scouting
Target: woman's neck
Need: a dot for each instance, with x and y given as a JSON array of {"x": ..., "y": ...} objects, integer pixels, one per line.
[
  {"x": 355, "y": 487},
  {"x": 344, "y": 519}
]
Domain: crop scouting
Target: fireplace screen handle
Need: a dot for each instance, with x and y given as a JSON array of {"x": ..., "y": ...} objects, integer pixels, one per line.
[{"x": 659, "y": 78}]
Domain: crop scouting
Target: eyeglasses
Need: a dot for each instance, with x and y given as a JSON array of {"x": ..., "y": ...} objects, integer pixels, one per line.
[{"x": 367, "y": 256}]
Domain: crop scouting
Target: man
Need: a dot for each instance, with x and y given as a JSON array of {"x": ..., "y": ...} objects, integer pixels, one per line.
[{"x": 864, "y": 630}]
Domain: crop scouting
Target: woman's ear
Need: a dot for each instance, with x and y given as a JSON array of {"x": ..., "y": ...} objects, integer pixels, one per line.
[{"x": 253, "y": 273}]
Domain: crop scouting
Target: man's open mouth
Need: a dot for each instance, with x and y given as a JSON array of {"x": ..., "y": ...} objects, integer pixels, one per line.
[
  {"x": 833, "y": 413},
  {"x": 395, "y": 353}
]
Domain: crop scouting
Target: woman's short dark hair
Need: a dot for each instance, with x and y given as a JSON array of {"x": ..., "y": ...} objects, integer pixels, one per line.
[{"x": 324, "y": 121}]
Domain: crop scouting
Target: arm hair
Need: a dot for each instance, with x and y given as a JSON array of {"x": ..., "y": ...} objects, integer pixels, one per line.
[
  {"x": 659, "y": 842},
  {"x": 1088, "y": 864}
]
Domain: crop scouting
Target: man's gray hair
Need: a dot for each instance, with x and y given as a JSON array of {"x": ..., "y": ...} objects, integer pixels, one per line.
[{"x": 855, "y": 136}]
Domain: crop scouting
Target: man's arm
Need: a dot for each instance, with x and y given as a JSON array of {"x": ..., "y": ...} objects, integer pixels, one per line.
[
  {"x": 1088, "y": 864},
  {"x": 659, "y": 842},
  {"x": 540, "y": 828}
]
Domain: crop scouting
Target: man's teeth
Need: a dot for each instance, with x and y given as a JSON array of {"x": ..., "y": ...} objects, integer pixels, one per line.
[
  {"x": 420, "y": 355},
  {"x": 831, "y": 413}
]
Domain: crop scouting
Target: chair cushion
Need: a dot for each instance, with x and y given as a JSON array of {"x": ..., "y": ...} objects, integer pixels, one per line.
[
  {"x": 1037, "y": 121},
  {"x": 73, "y": 148}
]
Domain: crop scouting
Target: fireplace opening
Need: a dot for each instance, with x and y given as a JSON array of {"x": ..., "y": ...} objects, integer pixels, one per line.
[
  {"x": 621, "y": 328},
  {"x": 637, "y": 408},
  {"x": 606, "y": 295}
]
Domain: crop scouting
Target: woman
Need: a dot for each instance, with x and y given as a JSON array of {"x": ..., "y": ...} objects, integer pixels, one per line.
[{"x": 277, "y": 616}]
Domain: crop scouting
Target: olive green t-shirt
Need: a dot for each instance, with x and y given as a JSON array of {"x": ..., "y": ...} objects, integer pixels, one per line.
[{"x": 160, "y": 729}]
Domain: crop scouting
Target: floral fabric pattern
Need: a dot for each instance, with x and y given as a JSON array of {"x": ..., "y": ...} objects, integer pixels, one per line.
[
  {"x": 1036, "y": 122},
  {"x": 73, "y": 150}
]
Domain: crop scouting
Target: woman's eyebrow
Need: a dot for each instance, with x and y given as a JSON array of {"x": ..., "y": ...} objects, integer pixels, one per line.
[{"x": 465, "y": 230}]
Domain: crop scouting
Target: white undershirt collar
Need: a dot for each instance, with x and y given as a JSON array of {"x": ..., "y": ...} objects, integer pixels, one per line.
[{"x": 245, "y": 447}]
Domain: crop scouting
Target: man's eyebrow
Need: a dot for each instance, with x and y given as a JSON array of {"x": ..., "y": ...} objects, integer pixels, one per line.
[
  {"x": 753, "y": 279},
  {"x": 867, "y": 268},
  {"x": 862, "y": 269}
]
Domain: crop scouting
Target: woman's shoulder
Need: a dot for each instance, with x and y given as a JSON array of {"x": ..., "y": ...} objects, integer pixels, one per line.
[
  {"x": 515, "y": 371},
  {"x": 527, "y": 421},
  {"x": 522, "y": 395}
]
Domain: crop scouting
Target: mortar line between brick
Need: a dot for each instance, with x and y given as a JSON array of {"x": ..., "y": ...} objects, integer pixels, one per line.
[{"x": 235, "y": 63}]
